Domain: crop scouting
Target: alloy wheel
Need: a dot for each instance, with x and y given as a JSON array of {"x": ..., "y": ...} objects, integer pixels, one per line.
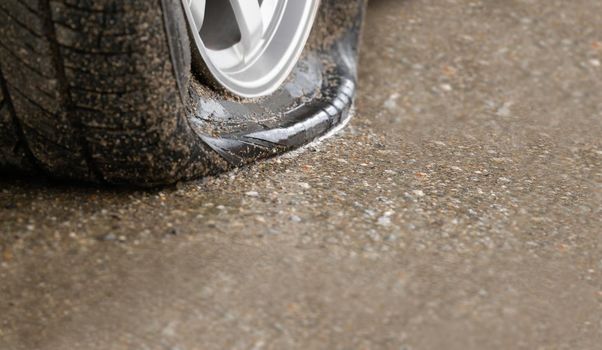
[{"x": 250, "y": 46}]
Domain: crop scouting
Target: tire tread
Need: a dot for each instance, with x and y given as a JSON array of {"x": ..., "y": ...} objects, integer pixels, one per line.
[{"x": 99, "y": 90}]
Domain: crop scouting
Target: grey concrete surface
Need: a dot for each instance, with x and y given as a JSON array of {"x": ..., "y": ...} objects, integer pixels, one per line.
[{"x": 461, "y": 209}]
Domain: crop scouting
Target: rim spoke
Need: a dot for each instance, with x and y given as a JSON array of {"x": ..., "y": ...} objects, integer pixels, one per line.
[
  {"x": 250, "y": 46},
  {"x": 268, "y": 9},
  {"x": 197, "y": 9},
  {"x": 250, "y": 22}
]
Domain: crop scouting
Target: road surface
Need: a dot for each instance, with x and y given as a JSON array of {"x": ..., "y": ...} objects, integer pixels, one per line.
[{"x": 460, "y": 209}]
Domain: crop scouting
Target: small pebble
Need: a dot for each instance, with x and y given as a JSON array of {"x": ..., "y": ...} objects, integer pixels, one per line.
[
  {"x": 504, "y": 180},
  {"x": 109, "y": 237},
  {"x": 384, "y": 221},
  {"x": 304, "y": 185},
  {"x": 446, "y": 87},
  {"x": 391, "y": 102},
  {"x": 418, "y": 193}
]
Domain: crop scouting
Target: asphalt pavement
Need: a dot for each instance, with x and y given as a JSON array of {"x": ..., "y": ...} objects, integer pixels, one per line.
[{"x": 460, "y": 209}]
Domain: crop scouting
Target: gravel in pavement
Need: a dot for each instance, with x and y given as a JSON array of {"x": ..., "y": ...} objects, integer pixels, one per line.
[{"x": 461, "y": 209}]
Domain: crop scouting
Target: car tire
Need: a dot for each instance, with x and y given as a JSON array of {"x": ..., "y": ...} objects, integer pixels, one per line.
[{"x": 100, "y": 91}]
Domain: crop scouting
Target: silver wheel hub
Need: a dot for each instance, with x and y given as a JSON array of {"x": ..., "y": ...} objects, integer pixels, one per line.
[{"x": 250, "y": 46}]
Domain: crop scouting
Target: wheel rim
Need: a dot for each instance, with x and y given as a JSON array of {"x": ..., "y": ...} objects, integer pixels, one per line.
[{"x": 250, "y": 46}]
